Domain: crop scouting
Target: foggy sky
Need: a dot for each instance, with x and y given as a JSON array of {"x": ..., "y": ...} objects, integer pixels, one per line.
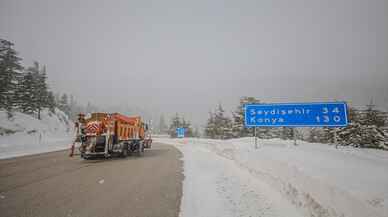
[{"x": 187, "y": 56}]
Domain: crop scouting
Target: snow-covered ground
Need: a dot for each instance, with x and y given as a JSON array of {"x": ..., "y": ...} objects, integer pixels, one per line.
[
  {"x": 24, "y": 134},
  {"x": 232, "y": 178}
]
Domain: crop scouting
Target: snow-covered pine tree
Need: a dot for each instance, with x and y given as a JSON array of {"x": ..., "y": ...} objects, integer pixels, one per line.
[
  {"x": 73, "y": 108},
  {"x": 26, "y": 93},
  {"x": 175, "y": 123},
  {"x": 268, "y": 132},
  {"x": 312, "y": 135},
  {"x": 262, "y": 132},
  {"x": 385, "y": 118},
  {"x": 163, "y": 128},
  {"x": 32, "y": 92},
  {"x": 41, "y": 89},
  {"x": 365, "y": 129},
  {"x": 34, "y": 98},
  {"x": 57, "y": 97},
  {"x": 64, "y": 106},
  {"x": 373, "y": 116},
  {"x": 328, "y": 135},
  {"x": 9, "y": 68},
  {"x": 197, "y": 134},
  {"x": 351, "y": 134},
  {"x": 51, "y": 101},
  {"x": 210, "y": 129},
  {"x": 287, "y": 133},
  {"x": 223, "y": 124},
  {"x": 317, "y": 135},
  {"x": 238, "y": 127},
  {"x": 188, "y": 129},
  {"x": 372, "y": 133}
]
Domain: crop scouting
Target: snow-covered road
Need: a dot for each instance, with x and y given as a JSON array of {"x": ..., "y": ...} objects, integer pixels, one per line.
[{"x": 231, "y": 178}]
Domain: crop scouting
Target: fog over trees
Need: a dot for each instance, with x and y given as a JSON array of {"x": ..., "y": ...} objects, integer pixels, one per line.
[
  {"x": 165, "y": 57},
  {"x": 156, "y": 59}
]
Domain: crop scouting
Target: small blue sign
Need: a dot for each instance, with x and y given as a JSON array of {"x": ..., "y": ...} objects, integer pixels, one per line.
[
  {"x": 180, "y": 132},
  {"x": 332, "y": 114}
]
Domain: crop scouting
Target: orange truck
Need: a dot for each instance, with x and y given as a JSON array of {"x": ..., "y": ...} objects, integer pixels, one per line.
[{"x": 106, "y": 135}]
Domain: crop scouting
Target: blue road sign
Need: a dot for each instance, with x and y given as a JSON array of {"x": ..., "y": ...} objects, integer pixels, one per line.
[
  {"x": 180, "y": 132},
  {"x": 332, "y": 114}
]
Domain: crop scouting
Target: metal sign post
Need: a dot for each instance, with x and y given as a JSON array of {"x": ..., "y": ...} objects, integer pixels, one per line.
[
  {"x": 335, "y": 138},
  {"x": 255, "y": 139},
  {"x": 294, "y": 134}
]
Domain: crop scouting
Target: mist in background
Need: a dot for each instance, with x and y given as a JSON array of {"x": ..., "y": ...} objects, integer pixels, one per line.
[{"x": 187, "y": 56}]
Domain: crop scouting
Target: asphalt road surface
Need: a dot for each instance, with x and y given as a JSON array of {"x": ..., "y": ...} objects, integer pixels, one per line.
[{"x": 54, "y": 184}]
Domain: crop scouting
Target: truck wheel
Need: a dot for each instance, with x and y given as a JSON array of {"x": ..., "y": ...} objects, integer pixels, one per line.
[{"x": 124, "y": 152}]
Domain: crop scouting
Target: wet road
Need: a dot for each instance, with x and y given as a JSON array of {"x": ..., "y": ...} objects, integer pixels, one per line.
[{"x": 53, "y": 184}]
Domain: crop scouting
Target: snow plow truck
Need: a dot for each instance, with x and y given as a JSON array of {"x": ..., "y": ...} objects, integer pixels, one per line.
[{"x": 106, "y": 135}]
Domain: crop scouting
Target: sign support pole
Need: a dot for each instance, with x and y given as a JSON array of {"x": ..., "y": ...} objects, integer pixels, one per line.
[
  {"x": 294, "y": 133},
  {"x": 335, "y": 138},
  {"x": 255, "y": 139}
]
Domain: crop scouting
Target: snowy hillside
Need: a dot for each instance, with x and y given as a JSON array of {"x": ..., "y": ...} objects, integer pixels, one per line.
[
  {"x": 24, "y": 134},
  {"x": 316, "y": 179}
]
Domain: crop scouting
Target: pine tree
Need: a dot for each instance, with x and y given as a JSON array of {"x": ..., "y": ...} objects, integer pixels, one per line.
[
  {"x": 162, "y": 125},
  {"x": 372, "y": 133},
  {"x": 9, "y": 68},
  {"x": 287, "y": 133},
  {"x": 175, "y": 123},
  {"x": 313, "y": 135},
  {"x": 197, "y": 134},
  {"x": 34, "y": 70},
  {"x": 351, "y": 134},
  {"x": 222, "y": 124},
  {"x": 188, "y": 129},
  {"x": 317, "y": 135},
  {"x": 41, "y": 89},
  {"x": 238, "y": 128},
  {"x": 51, "y": 101},
  {"x": 365, "y": 129},
  {"x": 26, "y": 93},
  {"x": 373, "y": 116},
  {"x": 57, "y": 97},
  {"x": 210, "y": 129},
  {"x": 63, "y": 105},
  {"x": 74, "y": 108},
  {"x": 33, "y": 90}
]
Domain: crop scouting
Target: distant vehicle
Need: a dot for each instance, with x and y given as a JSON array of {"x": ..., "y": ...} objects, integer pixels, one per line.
[{"x": 106, "y": 135}]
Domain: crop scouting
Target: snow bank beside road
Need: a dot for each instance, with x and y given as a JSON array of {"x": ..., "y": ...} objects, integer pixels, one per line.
[
  {"x": 24, "y": 134},
  {"x": 216, "y": 186},
  {"x": 318, "y": 179}
]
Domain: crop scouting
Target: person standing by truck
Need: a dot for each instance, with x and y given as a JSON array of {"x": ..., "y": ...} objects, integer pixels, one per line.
[{"x": 80, "y": 133}]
